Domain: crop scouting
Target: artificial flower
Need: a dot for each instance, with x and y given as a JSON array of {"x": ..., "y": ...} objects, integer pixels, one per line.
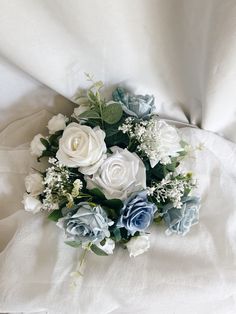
[
  {"x": 34, "y": 184},
  {"x": 89, "y": 224},
  {"x": 108, "y": 247},
  {"x": 83, "y": 147},
  {"x": 36, "y": 146},
  {"x": 180, "y": 220},
  {"x": 57, "y": 123},
  {"x": 121, "y": 174},
  {"x": 31, "y": 203},
  {"x": 138, "y": 245},
  {"x": 138, "y": 106},
  {"x": 137, "y": 213}
]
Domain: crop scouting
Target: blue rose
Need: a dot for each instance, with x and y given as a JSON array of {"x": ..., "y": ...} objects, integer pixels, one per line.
[
  {"x": 87, "y": 224},
  {"x": 137, "y": 213},
  {"x": 180, "y": 220},
  {"x": 138, "y": 106}
]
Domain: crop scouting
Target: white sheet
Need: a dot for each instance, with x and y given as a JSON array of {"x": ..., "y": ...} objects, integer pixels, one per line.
[{"x": 184, "y": 52}]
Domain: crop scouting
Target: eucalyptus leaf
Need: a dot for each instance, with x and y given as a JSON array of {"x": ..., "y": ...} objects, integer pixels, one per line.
[
  {"x": 73, "y": 243},
  {"x": 90, "y": 114},
  {"x": 112, "y": 113},
  {"x": 117, "y": 234},
  {"x": 97, "y": 250}
]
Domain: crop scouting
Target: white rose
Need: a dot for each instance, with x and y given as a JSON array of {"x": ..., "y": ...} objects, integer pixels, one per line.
[
  {"x": 36, "y": 147},
  {"x": 138, "y": 245},
  {"x": 83, "y": 147},
  {"x": 108, "y": 246},
  {"x": 31, "y": 203},
  {"x": 121, "y": 174},
  {"x": 57, "y": 123},
  {"x": 34, "y": 184}
]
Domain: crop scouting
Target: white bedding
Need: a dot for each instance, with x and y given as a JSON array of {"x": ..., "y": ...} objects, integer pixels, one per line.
[{"x": 184, "y": 52}]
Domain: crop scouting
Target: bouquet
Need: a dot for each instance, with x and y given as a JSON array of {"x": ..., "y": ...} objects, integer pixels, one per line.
[{"x": 114, "y": 169}]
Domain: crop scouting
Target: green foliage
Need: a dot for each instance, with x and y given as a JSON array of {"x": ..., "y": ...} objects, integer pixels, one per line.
[
  {"x": 114, "y": 203},
  {"x": 55, "y": 215},
  {"x": 45, "y": 143},
  {"x": 90, "y": 114},
  {"x": 97, "y": 250},
  {"x": 73, "y": 244},
  {"x": 112, "y": 113},
  {"x": 97, "y": 193},
  {"x": 116, "y": 234}
]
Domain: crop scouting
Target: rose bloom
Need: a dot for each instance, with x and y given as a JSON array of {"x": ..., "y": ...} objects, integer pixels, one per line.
[
  {"x": 57, "y": 123},
  {"x": 36, "y": 147},
  {"x": 89, "y": 224},
  {"x": 34, "y": 184},
  {"x": 83, "y": 147},
  {"x": 32, "y": 204},
  {"x": 121, "y": 174},
  {"x": 138, "y": 245}
]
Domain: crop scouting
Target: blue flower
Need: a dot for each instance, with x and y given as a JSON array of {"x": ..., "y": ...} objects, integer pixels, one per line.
[
  {"x": 137, "y": 213},
  {"x": 180, "y": 220},
  {"x": 87, "y": 224},
  {"x": 138, "y": 106}
]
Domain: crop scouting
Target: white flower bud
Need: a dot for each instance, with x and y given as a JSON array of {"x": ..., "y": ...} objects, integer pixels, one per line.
[
  {"x": 138, "y": 245},
  {"x": 57, "y": 123}
]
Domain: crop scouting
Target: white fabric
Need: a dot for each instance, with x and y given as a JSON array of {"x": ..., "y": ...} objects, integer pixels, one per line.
[
  {"x": 194, "y": 274},
  {"x": 184, "y": 52}
]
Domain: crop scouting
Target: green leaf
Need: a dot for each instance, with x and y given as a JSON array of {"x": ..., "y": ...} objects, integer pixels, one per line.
[
  {"x": 48, "y": 153},
  {"x": 44, "y": 142},
  {"x": 97, "y": 250},
  {"x": 111, "y": 212},
  {"x": 55, "y": 215},
  {"x": 114, "y": 203},
  {"x": 117, "y": 234},
  {"x": 174, "y": 163},
  {"x": 92, "y": 97},
  {"x": 98, "y": 193},
  {"x": 157, "y": 220},
  {"x": 73, "y": 243},
  {"x": 118, "y": 138},
  {"x": 112, "y": 113},
  {"x": 90, "y": 114},
  {"x": 54, "y": 138}
]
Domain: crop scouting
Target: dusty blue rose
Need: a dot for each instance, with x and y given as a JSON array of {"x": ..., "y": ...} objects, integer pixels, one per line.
[
  {"x": 137, "y": 213},
  {"x": 180, "y": 220},
  {"x": 87, "y": 224},
  {"x": 138, "y": 106}
]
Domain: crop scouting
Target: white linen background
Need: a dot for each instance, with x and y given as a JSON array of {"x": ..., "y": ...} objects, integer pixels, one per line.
[{"x": 183, "y": 52}]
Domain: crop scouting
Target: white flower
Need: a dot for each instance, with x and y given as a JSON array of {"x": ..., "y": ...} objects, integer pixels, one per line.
[
  {"x": 161, "y": 141},
  {"x": 121, "y": 174},
  {"x": 138, "y": 245},
  {"x": 57, "y": 123},
  {"x": 31, "y": 203},
  {"x": 158, "y": 140},
  {"x": 36, "y": 147},
  {"x": 83, "y": 147},
  {"x": 34, "y": 184},
  {"x": 108, "y": 247}
]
